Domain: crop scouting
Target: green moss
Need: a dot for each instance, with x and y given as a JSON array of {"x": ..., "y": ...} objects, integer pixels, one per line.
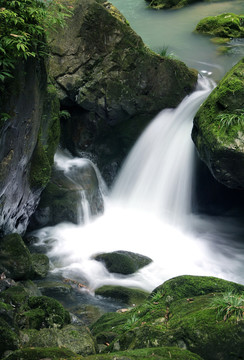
[
  {"x": 8, "y": 338},
  {"x": 221, "y": 147},
  {"x": 178, "y": 313},
  {"x": 188, "y": 286},
  {"x": 127, "y": 295},
  {"x": 40, "y": 170},
  {"x": 15, "y": 258},
  {"x": 123, "y": 262},
  {"x": 40, "y": 353},
  {"x": 226, "y": 25},
  {"x": 50, "y": 128},
  {"x": 40, "y": 265},
  {"x": 165, "y": 353},
  {"x": 15, "y": 295},
  {"x": 54, "y": 313}
]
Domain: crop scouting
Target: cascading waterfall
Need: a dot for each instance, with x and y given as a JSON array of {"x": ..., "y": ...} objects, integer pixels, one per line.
[
  {"x": 147, "y": 213},
  {"x": 159, "y": 170}
]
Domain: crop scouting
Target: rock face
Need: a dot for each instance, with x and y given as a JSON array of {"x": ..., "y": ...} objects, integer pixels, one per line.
[
  {"x": 226, "y": 25},
  {"x": 218, "y": 130},
  {"x": 69, "y": 197},
  {"x": 110, "y": 82},
  {"x": 29, "y": 133},
  {"x": 170, "y": 4}
]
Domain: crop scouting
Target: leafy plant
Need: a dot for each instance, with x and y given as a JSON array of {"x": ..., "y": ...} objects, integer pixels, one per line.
[
  {"x": 229, "y": 305},
  {"x": 156, "y": 296},
  {"x": 24, "y": 26},
  {"x": 229, "y": 119},
  {"x": 165, "y": 52},
  {"x": 130, "y": 322}
]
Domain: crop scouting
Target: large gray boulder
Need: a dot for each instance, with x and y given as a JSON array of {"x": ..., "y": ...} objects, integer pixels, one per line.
[{"x": 111, "y": 83}]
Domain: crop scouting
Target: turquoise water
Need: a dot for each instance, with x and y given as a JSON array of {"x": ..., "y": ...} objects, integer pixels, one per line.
[{"x": 174, "y": 29}]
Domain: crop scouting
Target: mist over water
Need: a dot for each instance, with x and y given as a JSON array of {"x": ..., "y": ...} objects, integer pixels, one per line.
[{"x": 149, "y": 212}]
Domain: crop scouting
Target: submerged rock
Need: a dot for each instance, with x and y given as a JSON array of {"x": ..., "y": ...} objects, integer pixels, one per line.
[
  {"x": 111, "y": 83},
  {"x": 218, "y": 130},
  {"x": 188, "y": 312},
  {"x": 123, "y": 262}
]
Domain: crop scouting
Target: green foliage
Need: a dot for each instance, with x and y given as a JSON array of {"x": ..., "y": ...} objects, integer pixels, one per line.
[
  {"x": 229, "y": 305},
  {"x": 24, "y": 26},
  {"x": 165, "y": 52},
  {"x": 229, "y": 119},
  {"x": 130, "y": 322}
]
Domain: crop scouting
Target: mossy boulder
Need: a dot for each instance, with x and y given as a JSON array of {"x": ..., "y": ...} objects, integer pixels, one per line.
[
  {"x": 227, "y": 25},
  {"x": 41, "y": 312},
  {"x": 40, "y": 265},
  {"x": 110, "y": 82},
  {"x": 218, "y": 130},
  {"x": 170, "y": 4},
  {"x": 15, "y": 258},
  {"x": 8, "y": 338},
  {"x": 38, "y": 353},
  {"x": 180, "y": 313},
  {"x": 128, "y": 296},
  {"x": 123, "y": 262},
  {"x": 165, "y": 353},
  {"x": 72, "y": 337}
]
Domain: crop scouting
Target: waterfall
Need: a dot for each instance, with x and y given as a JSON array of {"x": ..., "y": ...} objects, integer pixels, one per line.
[
  {"x": 158, "y": 172},
  {"x": 146, "y": 213}
]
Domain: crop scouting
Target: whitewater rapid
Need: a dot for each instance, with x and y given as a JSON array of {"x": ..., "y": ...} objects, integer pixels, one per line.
[{"x": 149, "y": 212}]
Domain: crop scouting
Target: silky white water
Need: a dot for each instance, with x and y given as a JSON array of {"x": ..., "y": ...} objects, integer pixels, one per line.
[{"x": 149, "y": 212}]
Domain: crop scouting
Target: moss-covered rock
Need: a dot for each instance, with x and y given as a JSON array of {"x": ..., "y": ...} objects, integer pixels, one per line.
[
  {"x": 179, "y": 313},
  {"x": 170, "y": 4},
  {"x": 226, "y": 25},
  {"x": 218, "y": 130},
  {"x": 72, "y": 337},
  {"x": 40, "y": 265},
  {"x": 62, "y": 199},
  {"x": 123, "y": 262},
  {"x": 108, "y": 78},
  {"x": 43, "y": 312},
  {"x": 189, "y": 286},
  {"x": 8, "y": 338},
  {"x": 57, "y": 353},
  {"x": 15, "y": 258},
  {"x": 165, "y": 353},
  {"x": 128, "y": 296}
]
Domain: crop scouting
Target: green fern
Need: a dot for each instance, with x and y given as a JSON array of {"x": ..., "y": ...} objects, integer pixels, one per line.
[{"x": 229, "y": 119}]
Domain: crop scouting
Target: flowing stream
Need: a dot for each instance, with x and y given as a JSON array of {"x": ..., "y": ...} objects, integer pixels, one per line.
[{"x": 149, "y": 212}]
